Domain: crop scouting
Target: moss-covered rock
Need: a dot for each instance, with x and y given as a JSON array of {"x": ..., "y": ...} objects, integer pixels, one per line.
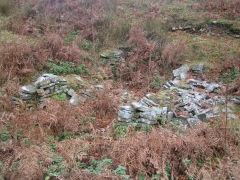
[
  {"x": 75, "y": 82},
  {"x": 111, "y": 54}
]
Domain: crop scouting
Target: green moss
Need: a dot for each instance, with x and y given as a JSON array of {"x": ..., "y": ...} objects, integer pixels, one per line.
[
  {"x": 235, "y": 29},
  {"x": 75, "y": 82},
  {"x": 60, "y": 97},
  {"x": 223, "y": 23},
  {"x": 109, "y": 54}
]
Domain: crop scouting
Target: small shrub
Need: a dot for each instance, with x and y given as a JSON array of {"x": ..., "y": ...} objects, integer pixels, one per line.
[
  {"x": 56, "y": 169},
  {"x": 15, "y": 166},
  {"x": 157, "y": 82},
  {"x": 61, "y": 67},
  {"x": 120, "y": 131},
  {"x": 96, "y": 166},
  {"x": 81, "y": 165},
  {"x": 5, "y": 136},
  {"x": 82, "y": 69},
  {"x": 173, "y": 53},
  {"x": 85, "y": 45},
  {"x": 71, "y": 37},
  {"x": 121, "y": 170}
]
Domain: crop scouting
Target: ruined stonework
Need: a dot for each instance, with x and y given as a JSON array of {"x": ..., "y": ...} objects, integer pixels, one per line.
[
  {"x": 183, "y": 101},
  {"x": 46, "y": 86}
]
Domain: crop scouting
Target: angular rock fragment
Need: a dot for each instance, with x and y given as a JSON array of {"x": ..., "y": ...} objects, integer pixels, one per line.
[
  {"x": 193, "y": 122},
  {"x": 197, "y": 69},
  {"x": 181, "y": 73},
  {"x": 211, "y": 87},
  {"x": 74, "y": 100},
  {"x": 29, "y": 89},
  {"x": 125, "y": 114}
]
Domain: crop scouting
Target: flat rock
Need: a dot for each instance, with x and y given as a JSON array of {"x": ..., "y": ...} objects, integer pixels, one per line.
[
  {"x": 29, "y": 89},
  {"x": 147, "y": 102},
  {"x": 198, "y": 68},
  {"x": 75, "y": 81},
  {"x": 193, "y": 122},
  {"x": 99, "y": 87},
  {"x": 211, "y": 87},
  {"x": 235, "y": 100},
  {"x": 111, "y": 53},
  {"x": 26, "y": 97}
]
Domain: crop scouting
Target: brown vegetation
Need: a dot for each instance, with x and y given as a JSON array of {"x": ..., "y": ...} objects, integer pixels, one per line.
[
  {"x": 230, "y": 8},
  {"x": 15, "y": 57},
  {"x": 31, "y": 133},
  {"x": 151, "y": 153}
]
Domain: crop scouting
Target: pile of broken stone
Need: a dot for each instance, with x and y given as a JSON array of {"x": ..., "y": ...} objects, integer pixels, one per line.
[
  {"x": 46, "y": 86},
  {"x": 183, "y": 101}
]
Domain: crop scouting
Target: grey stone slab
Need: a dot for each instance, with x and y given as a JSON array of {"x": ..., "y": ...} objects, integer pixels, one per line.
[
  {"x": 193, "y": 122},
  {"x": 28, "y": 89}
]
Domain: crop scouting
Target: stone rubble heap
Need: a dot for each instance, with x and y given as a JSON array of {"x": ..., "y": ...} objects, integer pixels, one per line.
[
  {"x": 143, "y": 112},
  {"x": 185, "y": 101},
  {"x": 46, "y": 86}
]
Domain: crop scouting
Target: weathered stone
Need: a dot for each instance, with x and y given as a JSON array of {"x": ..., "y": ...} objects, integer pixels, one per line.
[
  {"x": 193, "y": 122},
  {"x": 211, "y": 87},
  {"x": 74, "y": 100},
  {"x": 202, "y": 117},
  {"x": 186, "y": 86},
  {"x": 75, "y": 81},
  {"x": 26, "y": 97},
  {"x": 236, "y": 100},
  {"x": 48, "y": 85},
  {"x": 125, "y": 95},
  {"x": 175, "y": 82},
  {"x": 139, "y": 107},
  {"x": 125, "y": 113},
  {"x": 197, "y": 68},
  {"x": 71, "y": 92},
  {"x": 44, "y": 80},
  {"x": 110, "y": 53},
  {"x": 147, "y": 102},
  {"x": 164, "y": 110},
  {"x": 198, "y": 83},
  {"x": 99, "y": 87},
  {"x": 170, "y": 116},
  {"x": 187, "y": 100},
  {"x": 181, "y": 73},
  {"x": 199, "y": 96},
  {"x": 29, "y": 89},
  {"x": 219, "y": 100},
  {"x": 150, "y": 115}
]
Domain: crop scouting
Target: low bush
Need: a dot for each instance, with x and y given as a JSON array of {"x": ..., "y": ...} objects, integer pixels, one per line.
[
  {"x": 16, "y": 59},
  {"x": 173, "y": 53},
  {"x": 61, "y": 67}
]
